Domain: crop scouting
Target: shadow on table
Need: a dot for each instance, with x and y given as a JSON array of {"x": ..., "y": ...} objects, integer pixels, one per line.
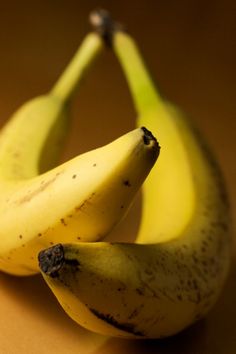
[{"x": 36, "y": 297}]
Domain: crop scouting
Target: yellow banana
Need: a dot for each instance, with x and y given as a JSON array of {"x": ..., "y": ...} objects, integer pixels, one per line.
[
  {"x": 30, "y": 143},
  {"x": 72, "y": 201},
  {"x": 174, "y": 272},
  {"x": 31, "y": 140}
]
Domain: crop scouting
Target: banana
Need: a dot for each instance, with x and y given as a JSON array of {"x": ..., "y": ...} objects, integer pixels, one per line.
[
  {"x": 175, "y": 271},
  {"x": 71, "y": 202},
  {"x": 30, "y": 143},
  {"x": 31, "y": 140}
]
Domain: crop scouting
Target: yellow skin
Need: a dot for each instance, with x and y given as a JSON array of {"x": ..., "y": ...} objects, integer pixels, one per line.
[
  {"x": 174, "y": 272},
  {"x": 31, "y": 140},
  {"x": 30, "y": 144},
  {"x": 71, "y": 202}
]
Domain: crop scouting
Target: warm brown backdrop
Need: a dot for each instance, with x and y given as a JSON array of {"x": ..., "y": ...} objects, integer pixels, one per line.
[{"x": 190, "y": 47}]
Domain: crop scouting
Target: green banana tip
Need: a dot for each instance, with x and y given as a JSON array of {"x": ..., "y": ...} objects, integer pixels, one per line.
[{"x": 104, "y": 25}]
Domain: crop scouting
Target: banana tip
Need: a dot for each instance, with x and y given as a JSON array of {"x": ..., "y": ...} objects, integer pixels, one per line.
[
  {"x": 104, "y": 25},
  {"x": 51, "y": 260},
  {"x": 148, "y": 136},
  {"x": 149, "y": 139}
]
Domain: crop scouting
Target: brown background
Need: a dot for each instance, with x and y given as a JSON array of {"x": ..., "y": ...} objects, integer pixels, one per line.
[{"x": 190, "y": 47}]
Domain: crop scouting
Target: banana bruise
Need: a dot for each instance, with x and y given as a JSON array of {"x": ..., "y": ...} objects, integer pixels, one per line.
[
  {"x": 175, "y": 271},
  {"x": 80, "y": 200}
]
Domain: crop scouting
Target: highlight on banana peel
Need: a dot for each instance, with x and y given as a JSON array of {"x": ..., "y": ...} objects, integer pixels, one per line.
[{"x": 174, "y": 272}]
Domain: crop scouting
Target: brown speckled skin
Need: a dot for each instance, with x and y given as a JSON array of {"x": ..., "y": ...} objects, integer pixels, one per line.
[{"x": 156, "y": 290}]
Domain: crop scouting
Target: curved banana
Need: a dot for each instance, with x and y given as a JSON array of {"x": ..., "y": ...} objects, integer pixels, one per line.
[
  {"x": 31, "y": 140},
  {"x": 174, "y": 273},
  {"x": 69, "y": 202},
  {"x": 73, "y": 201},
  {"x": 30, "y": 143}
]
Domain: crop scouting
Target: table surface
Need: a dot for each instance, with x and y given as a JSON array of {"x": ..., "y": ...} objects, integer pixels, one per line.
[{"x": 190, "y": 48}]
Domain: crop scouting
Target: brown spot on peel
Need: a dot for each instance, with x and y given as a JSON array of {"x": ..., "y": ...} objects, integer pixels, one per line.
[
  {"x": 85, "y": 203},
  {"x": 127, "y": 327},
  {"x": 63, "y": 222},
  {"x": 127, "y": 183},
  {"x": 41, "y": 188}
]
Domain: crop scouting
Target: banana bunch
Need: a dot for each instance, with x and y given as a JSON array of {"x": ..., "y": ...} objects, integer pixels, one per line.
[
  {"x": 174, "y": 272},
  {"x": 79, "y": 200}
]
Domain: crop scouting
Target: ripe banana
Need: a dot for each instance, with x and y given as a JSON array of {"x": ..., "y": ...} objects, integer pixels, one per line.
[
  {"x": 72, "y": 201},
  {"x": 174, "y": 272},
  {"x": 30, "y": 144},
  {"x": 79, "y": 200},
  {"x": 31, "y": 140}
]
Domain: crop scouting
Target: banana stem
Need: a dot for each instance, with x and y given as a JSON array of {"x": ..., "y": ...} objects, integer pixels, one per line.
[
  {"x": 143, "y": 90},
  {"x": 71, "y": 78}
]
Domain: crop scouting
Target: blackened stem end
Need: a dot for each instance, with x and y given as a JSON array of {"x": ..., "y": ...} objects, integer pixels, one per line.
[
  {"x": 51, "y": 260},
  {"x": 148, "y": 137},
  {"x": 104, "y": 25}
]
